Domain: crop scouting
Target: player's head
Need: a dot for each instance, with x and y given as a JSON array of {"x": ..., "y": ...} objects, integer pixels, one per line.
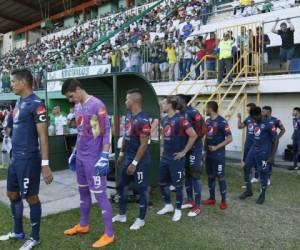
[
  {"x": 134, "y": 99},
  {"x": 266, "y": 111},
  {"x": 249, "y": 106},
  {"x": 255, "y": 113},
  {"x": 296, "y": 111},
  {"x": 21, "y": 81},
  {"x": 212, "y": 108},
  {"x": 185, "y": 99},
  {"x": 170, "y": 103},
  {"x": 73, "y": 90}
]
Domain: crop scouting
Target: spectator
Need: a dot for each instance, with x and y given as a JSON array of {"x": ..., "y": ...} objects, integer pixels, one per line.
[
  {"x": 266, "y": 7},
  {"x": 115, "y": 61},
  {"x": 5, "y": 81},
  {"x": 250, "y": 10},
  {"x": 60, "y": 121},
  {"x": 210, "y": 48},
  {"x": 204, "y": 12},
  {"x": 51, "y": 128},
  {"x": 225, "y": 58},
  {"x": 72, "y": 127},
  {"x": 134, "y": 57},
  {"x": 287, "y": 48},
  {"x": 71, "y": 115},
  {"x": 189, "y": 50},
  {"x": 172, "y": 59},
  {"x": 180, "y": 60},
  {"x": 200, "y": 54},
  {"x": 155, "y": 51},
  {"x": 260, "y": 45},
  {"x": 242, "y": 6},
  {"x": 187, "y": 28},
  {"x": 126, "y": 60}
]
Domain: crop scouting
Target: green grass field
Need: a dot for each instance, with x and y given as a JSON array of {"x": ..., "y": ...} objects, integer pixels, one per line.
[{"x": 244, "y": 225}]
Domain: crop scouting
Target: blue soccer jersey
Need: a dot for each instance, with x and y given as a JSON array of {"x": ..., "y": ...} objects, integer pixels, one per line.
[
  {"x": 27, "y": 113},
  {"x": 217, "y": 130},
  {"x": 174, "y": 133},
  {"x": 249, "y": 124},
  {"x": 296, "y": 125},
  {"x": 196, "y": 120},
  {"x": 135, "y": 127}
]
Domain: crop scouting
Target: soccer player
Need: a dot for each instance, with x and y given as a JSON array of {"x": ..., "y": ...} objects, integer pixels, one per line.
[
  {"x": 91, "y": 157},
  {"x": 248, "y": 123},
  {"x": 218, "y": 135},
  {"x": 261, "y": 153},
  {"x": 193, "y": 159},
  {"x": 178, "y": 138},
  {"x": 134, "y": 157},
  {"x": 29, "y": 157},
  {"x": 267, "y": 114},
  {"x": 296, "y": 138}
]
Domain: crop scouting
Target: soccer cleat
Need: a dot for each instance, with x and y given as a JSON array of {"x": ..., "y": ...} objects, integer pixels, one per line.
[
  {"x": 297, "y": 168},
  {"x": 261, "y": 199},
  {"x": 177, "y": 215},
  {"x": 29, "y": 244},
  {"x": 105, "y": 240},
  {"x": 77, "y": 229},
  {"x": 269, "y": 182},
  {"x": 223, "y": 205},
  {"x": 209, "y": 202},
  {"x": 168, "y": 208},
  {"x": 194, "y": 212},
  {"x": 254, "y": 180},
  {"x": 188, "y": 204},
  {"x": 245, "y": 194},
  {"x": 172, "y": 188},
  {"x": 138, "y": 224},
  {"x": 291, "y": 167},
  {"x": 12, "y": 235},
  {"x": 119, "y": 218}
]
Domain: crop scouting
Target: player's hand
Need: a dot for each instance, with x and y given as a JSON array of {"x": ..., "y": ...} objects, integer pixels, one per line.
[
  {"x": 277, "y": 19},
  {"x": 270, "y": 161},
  {"x": 212, "y": 148},
  {"x": 131, "y": 169},
  {"x": 47, "y": 174},
  {"x": 120, "y": 160},
  {"x": 179, "y": 155},
  {"x": 239, "y": 116},
  {"x": 102, "y": 165}
]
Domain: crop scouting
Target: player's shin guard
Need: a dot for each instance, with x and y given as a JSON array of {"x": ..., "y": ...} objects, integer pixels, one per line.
[
  {"x": 165, "y": 193},
  {"x": 197, "y": 190},
  {"x": 143, "y": 202},
  {"x": 211, "y": 187},
  {"x": 35, "y": 219},
  {"x": 106, "y": 208},
  {"x": 270, "y": 171},
  {"x": 264, "y": 182},
  {"x": 247, "y": 178},
  {"x": 85, "y": 205},
  {"x": 189, "y": 187},
  {"x": 179, "y": 197},
  {"x": 17, "y": 212},
  {"x": 223, "y": 188},
  {"x": 123, "y": 199}
]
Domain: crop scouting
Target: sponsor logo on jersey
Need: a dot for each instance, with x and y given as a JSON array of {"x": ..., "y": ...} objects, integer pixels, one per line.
[
  {"x": 210, "y": 130},
  {"x": 250, "y": 127},
  {"x": 41, "y": 110},
  {"x": 128, "y": 128},
  {"x": 257, "y": 131},
  {"x": 146, "y": 129},
  {"x": 79, "y": 122},
  {"x": 16, "y": 114},
  {"x": 167, "y": 130}
]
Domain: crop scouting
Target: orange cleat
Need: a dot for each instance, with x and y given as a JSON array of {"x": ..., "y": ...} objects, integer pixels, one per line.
[
  {"x": 77, "y": 229},
  {"x": 105, "y": 240}
]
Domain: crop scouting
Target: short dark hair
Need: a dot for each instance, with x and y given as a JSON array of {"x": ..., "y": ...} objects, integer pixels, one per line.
[
  {"x": 185, "y": 98},
  {"x": 213, "y": 105},
  {"x": 70, "y": 85},
  {"x": 255, "y": 111},
  {"x": 297, "y": 109},
  {"x": 251, "y": 105},
  {"x": 268, "y": 108},
  {"x": 23, "y": 74},
  {"x": 136, "y": 90},
  {"x": 174, "y": 101}
]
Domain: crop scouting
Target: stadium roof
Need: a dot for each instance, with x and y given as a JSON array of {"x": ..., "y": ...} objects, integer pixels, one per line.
[{"x": 15, "y": 14}]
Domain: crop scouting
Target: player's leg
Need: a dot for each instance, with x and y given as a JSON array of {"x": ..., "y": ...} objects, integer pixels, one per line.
[
  {"x": 188, "y": 183},
  {"x": 249, "y": 162},
  {"x": 211, "y": 182},
  {"x": 263, "y": 166},
  {"x": 176, "y": 169},
  {"x": 85, "y": 201},
  {"x": 220, "y": 169},
  {"x": 123, "y": 192},
  {"x": 164, "y": 182}
]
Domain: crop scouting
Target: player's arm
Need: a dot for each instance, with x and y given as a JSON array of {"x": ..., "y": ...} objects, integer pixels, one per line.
[
  {"x": 282, "y": 130},
  {"x": 292, "y": 28},
  {"x": 241, "y": 124},
  {"x": 228, "y": 138},
  {"x": 275, "y": 142},
  {"x": 274, "y": 27}
]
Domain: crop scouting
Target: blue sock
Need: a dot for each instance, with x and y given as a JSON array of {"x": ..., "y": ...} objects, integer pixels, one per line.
[
  {"x": 165, "y": 193},
  {"x": 270, "y": 171},
  {"x": 247, "y": 179},
  {"x": 197, "y": 190},
  {"x": 17, "y": 212},
  {"x": 263, "y": 182},
  {"x": 189, "y": 187},
  {"x": 123, "y": 200},
  {"x": 211, "y": 187},
  {"x": 179, "y": 197},
  {"x": 143, "y": 202},
  {"x": 35, "y": 219},
  {"x": 223, "y": 187}
]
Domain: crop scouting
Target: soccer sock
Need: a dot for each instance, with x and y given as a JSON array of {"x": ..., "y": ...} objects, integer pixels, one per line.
[
  {"x": 35, "y": 219},
  {"x": 85, "y": 205},
  {"x": 123, "y": 199},
  {"x": 223, "y": 187},
  {"x": 17, "y": 212},
  {"x": 197, "y": 190},
  {"x": 189, "y": 187},
  {"x": 256, "y": 173},
  {"x": 264, "y": 182},
  {"x": 247, "y": 173},
  {"x": 165, "y": 194},
  {"x": 270, "y": 171},
  {"x": 211, "y": 187},
  {"x": 179, "y": 197},
  {"x": 106, "y": 208},
  {"x": 143, "y": 202}
]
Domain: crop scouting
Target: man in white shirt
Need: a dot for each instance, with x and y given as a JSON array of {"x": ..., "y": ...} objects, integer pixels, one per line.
[{"x": 60, "y": 121}]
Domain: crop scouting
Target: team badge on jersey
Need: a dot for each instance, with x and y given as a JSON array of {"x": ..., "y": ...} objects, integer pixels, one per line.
[
  {"x": 41, "y": 113},
  {"x": 257, "y": 131},
  {"x": 210, "y": 130},
  {"x": 250, "y": 127}
]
